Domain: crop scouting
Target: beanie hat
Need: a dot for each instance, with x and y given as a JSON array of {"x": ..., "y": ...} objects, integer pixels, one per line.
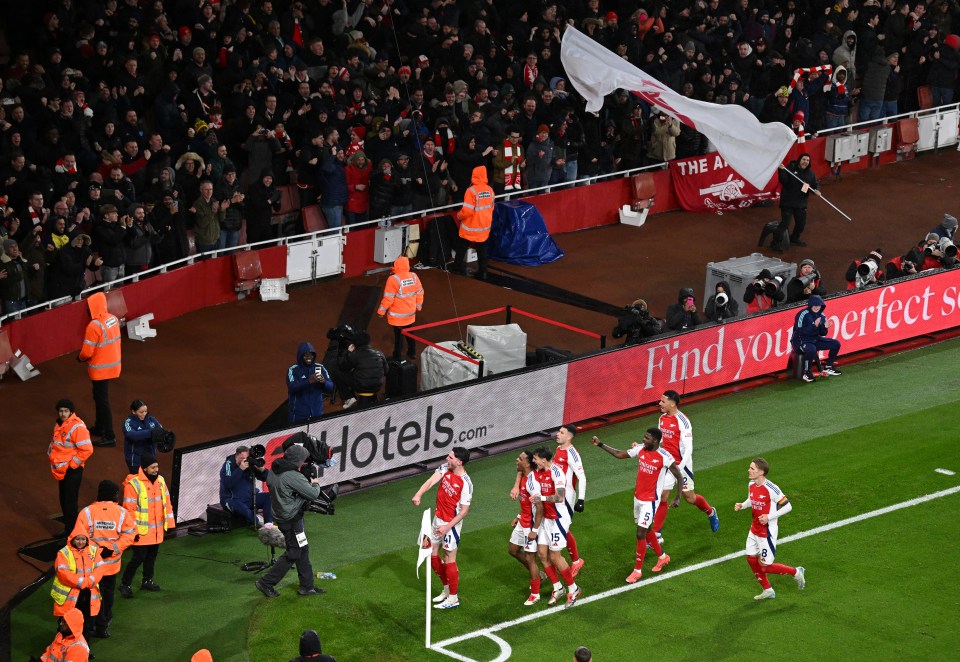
[
  {"x": 807, "y": 261},
  {"x": 611, "y": 16},
  {"x": 542, "y": 128},
  {"x": 931, "y": 236},
  {"x": 296, "y": 454},
  {"x": 953, "y": 41},
  {"x": 765, "y": 273},
  {"x": 876, "y": 254},
  {"x": 107, "y": 491},
  {"x": 8, "y": 244},
  {"x": 146, "y": 460},
  {"x": 949, "y": 222}
]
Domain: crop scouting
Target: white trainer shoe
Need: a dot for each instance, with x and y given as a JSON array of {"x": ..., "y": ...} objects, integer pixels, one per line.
[
  {"x": 443, "y": 595},
  {"x": 572, "y": 596},
  {"x": 447, "y": 604},
  {"x": 767, "y": 594},
  {"x": 556, "y": 595},
  {"x": 800, "y": 577},
  {"x": 349, "y": 403},
  {"x": 532, "y": 599}
]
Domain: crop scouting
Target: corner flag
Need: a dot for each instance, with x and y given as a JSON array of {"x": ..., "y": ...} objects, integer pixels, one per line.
[{"x": 423, "y": 540}]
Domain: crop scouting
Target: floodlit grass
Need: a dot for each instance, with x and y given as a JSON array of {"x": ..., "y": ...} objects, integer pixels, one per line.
[{"x": 877, "y": 589}]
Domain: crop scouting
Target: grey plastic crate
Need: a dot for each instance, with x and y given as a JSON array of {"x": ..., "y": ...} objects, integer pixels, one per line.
[{"x": 740, "y": 271}]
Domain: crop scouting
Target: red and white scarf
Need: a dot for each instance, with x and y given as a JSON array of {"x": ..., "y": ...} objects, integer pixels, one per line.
[{"x": 511, "y": 172}]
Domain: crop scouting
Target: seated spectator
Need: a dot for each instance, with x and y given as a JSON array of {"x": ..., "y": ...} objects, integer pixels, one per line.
[
  {"x": 138, "y": 435},
  {"x": 866, "y": 272},
  {"x": 763, "y": 293},
  {"x": 810, "y": 328},
  {"x": 636, "y": 324},
  {"x": 805, "y": 283},
  {"x": 683, "y": 315},
  {"x": 721, "y": 305},
  {"x": 238, "y": 488},
  {"x": 364, "y": 371}
]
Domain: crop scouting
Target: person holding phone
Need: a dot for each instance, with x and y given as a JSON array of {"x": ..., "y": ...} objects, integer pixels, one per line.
[
  {"x": 307, "y": 381},
  {"x": 683, "y": 314}
]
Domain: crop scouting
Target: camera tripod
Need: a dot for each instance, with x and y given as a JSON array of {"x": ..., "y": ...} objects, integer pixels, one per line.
[{"x": 258, "y": 566}]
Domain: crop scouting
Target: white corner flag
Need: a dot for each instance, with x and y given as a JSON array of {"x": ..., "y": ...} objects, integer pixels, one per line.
[
  {"x": 753, "y": 149},
  {"x": 424, "y": 539}
]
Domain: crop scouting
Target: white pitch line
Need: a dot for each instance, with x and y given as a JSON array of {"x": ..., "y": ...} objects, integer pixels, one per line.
[
  {"x": 487, "y": 632},
  {"x": 946, "y": 472}
]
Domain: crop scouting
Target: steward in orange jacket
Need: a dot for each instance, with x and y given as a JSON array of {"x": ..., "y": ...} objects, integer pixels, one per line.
[
  {"x": 69, "y": 645},
  {"x": 68, "y": 452},
  {"x": 101, "y": 353},
  {"x": 110, "y": 526},
  {"x": 77, "y": 574},
  {"x": 476, "y": 219},
  {"x": 146, "y": 497},
  {"x": 402, "y": 300}
]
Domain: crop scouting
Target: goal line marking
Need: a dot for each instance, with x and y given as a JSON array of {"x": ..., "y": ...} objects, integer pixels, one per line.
[{"x": 505, "y": 650}]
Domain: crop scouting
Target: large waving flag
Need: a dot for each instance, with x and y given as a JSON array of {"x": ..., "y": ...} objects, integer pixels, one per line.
[
  {"x": 753, "y": 149},
  {"x": 424, "y": 539}
]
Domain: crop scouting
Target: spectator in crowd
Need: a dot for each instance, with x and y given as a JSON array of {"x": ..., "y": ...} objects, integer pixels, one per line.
[
  {"x": 508, "y": 163},
  {"x": 839, "y": 100},
  {"x": 262, "y": 200},
  {"x": 238, "y": 488},
  {"x": 683, "y": 315},
  {"x": 944, "y": 64},
  {"x": 138, "y": 242},
  {"x": 402, "y": 202},
  {"x": 139, "y": 438},
  {"x": 539, "y": 158},
  {"x": 663, "y": 138},
  {"x": 109, "y": 233},
  {"x": 101, "y": 352},
  {"x": 721, "y": 305},
  {"x": 207, "y": 213},
  {"x": 357, "y": 175},
  {"x": 881, "y": 74},
  {"x": 147, "y": 499},
  {"x": 383, "y": 184},
  {"x": 364, "y": 371},
  {"x": 805, "y": 283},
  {"x": 810, "y": 328},
  {"x": 15, "y": 275},
  {"x": 229, "y": 190},
  {"x": 333, "y": 179},
  {"x": 32, "y": 250},
  {"x": 763, "y": 293},
  {"x": 171, "y": 225},
  {"x": 307, "y": 381},
  {"x": 311, "y": 650},
  {"x": 68, "y": 265}
]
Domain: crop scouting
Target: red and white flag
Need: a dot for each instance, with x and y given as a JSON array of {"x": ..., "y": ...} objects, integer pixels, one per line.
[
  {"x": 753, "y": 149},
  {"x": 423, "y": 540}
]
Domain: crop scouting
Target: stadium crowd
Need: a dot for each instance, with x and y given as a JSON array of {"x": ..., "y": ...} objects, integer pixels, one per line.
[{"x": 127, "y": 123}]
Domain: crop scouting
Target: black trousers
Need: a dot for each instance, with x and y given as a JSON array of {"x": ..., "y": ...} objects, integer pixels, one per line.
[
  {"x": 296, "y": 554},
  {"x": 108, "y": 591},
  {"x": 83, "y": 604},
  {"x": 103, "y": 426},
  {"x": 482, "y": 259},
  {"x": 145, "y": 555},
  {"x": 799, "y": 215},
  {"x": 69, "y": 497},
  {"x": 398, "y": 344}
]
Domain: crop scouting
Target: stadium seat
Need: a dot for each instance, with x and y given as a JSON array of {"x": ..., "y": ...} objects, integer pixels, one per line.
[
  {"x": 907, "y": 134},
  {"x": 117, "y": 305},
  {"x": 313, "y": 219},
  {"x": 924, "y": 97},
  {"x": 247, "y": 272},
  {"x": 6, "y": 352},
  {"x": 287, "y": 217},
  {"x": 644, "y": 189}
]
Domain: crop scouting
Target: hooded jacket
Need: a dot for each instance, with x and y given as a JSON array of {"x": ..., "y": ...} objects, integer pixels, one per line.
[
  {"x": 728, "y": 310},
  {"x": 70, "y": 447},
  {"x": 76, "y": 570},
  {"x": 837, "y": 103},
  {"x": 71, "y": 647},
  {"x": 844, "y": 56},
  {"x": 402, "y": 295},
  {"x": 306, "y": 397},
  {"x": 476, "y": 215},
  {"x": 310, "y": 650},
  {"x": 101, "y": 341},
  {"x": 289, "y": 489},
  {"x": 678, "y": 319},
  {"x": 358, "y": 200},
  {"x": 149, "y": 503},
  {"x": 809, "y": 326}
]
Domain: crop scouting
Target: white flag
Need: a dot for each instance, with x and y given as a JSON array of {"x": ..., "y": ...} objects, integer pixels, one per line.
[
  {"x": 424, "y": 539},
  {"x": 753, "y": 149}
]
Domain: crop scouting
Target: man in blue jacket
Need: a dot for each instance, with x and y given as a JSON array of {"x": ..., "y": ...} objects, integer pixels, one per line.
[
  {"x": 809, "y": 337},
  {"x": 306, "y": 382},
  {"x": 238, "y": 488}
]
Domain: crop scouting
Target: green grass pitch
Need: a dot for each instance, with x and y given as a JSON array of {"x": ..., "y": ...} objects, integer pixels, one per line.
[{"x": 883, "y": 588}]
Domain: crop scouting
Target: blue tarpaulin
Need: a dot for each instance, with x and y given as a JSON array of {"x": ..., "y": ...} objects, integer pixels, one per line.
[{"x": 519, "y": 236}]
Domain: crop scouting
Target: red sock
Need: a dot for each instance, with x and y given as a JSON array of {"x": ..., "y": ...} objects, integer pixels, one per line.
[
  {"x": 660, "y": 516},
  {"x": 758, "y": 571},
  {"x": 652, "y": 539},
  {"x": 453, "y": 576},
  {"x": 779, "y": 569},
  {"x": 438, "y": 568},
  {"x": 567, "y": 575},
  {"x": 641, "y": 552},
  {"x": 702, "y": 504},
  {"x": 551, "y": 574},
  {"x": 572, "y": 546},
  {"x": 535, "y": 586}
]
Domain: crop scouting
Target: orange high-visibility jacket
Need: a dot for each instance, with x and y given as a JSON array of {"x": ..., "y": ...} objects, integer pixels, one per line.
[
  {"x": 149, "y": 503},
  {"x": 101, "y": 341},
  {"x": 72, "y": 647},
  {"x": 70, "y": 447},
  {"x": 476, "y": 215},
  {"x": 402, "y": 296},
  {"x": 110, "y": 526},
  {"x": 76, "y": 570}
]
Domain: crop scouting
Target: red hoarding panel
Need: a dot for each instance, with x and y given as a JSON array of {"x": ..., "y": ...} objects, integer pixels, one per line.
[{"x": 707, "y": 183}]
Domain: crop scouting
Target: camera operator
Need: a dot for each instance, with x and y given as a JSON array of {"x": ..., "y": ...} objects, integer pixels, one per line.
[
  {"x": 809, "y": 337},
  {"x": 306, "y": 382},
  {"x": 805, "y": 283},
  {"x": 902, "y": 266},
  {"x": 364, "y": 370},
  {"x": 763, "y": 293},
  {"x": 866, "y": 272},
  {"x": 721, "y": 306},
  {"x": 683, "y": 314},
  {"x": 238, "y": 488},
  {"x": 636, "y": 323},
  {"x": 340, "y": 338},
  {"x": 290, "y": 492}
]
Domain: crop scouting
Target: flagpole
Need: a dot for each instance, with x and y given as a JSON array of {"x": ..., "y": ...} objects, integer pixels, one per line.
[
  {"x": 426, "y": 642},
  {"x": 819, "y": 194}
]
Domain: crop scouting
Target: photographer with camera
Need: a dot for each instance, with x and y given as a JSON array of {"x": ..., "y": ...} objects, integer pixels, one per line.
[
  {"x": 810, "y": 328},
  {"x": 238, "y": 488},
  {"x": 364, "y": 371},
  {"x": 866, "y": 272},
  {"x": 721, "y": 306},
  {"x": 138, "y": 435},
  {"x": 636, "y": 323},
  {"x": 290, "y": 492},
  {"x": 902, "y": 266},
  {"x": 763, "y": 293},
  {"x": 307, "y": 381},
  {"x": 805, "y": 283},
  {"x": 683, "y": 314}
]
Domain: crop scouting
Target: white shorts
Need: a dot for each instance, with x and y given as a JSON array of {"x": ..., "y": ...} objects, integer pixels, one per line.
[
  {"x": 566, "y": 515},
  {"x": 669, "y": 482},
  {"x": 643, "y": 512},
  {"x": 553, "y": 535},
  {"x": 520, "y": 539},
  {"x": 451, "y": 541},
  {"x": 763, "y": 547}
]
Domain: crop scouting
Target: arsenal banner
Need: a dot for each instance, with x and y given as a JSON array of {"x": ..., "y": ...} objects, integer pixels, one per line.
[{"x": 708, "y": 183}]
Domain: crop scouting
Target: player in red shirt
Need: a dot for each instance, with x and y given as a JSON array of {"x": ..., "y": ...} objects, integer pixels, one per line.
[
  {"x": 523, "y": 540},
  {"x": 654, "y": 463},
  {"x": 678, "y": 441},
  {"x": 768, "y": 504},
  {"x": 453, "y": 503},
  {"x": 548, "y": 488}
]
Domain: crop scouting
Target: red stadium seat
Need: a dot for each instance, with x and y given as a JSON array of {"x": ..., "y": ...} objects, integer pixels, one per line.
[
  {"x": 313, "y": 219},
  {"x": 6, "y": 352},
  {"x": 117, "y": 305},
  {"x": 924, "y": 97},
  {"x": 246, "y": 269},
  {"x": 644, "y": 190}
]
